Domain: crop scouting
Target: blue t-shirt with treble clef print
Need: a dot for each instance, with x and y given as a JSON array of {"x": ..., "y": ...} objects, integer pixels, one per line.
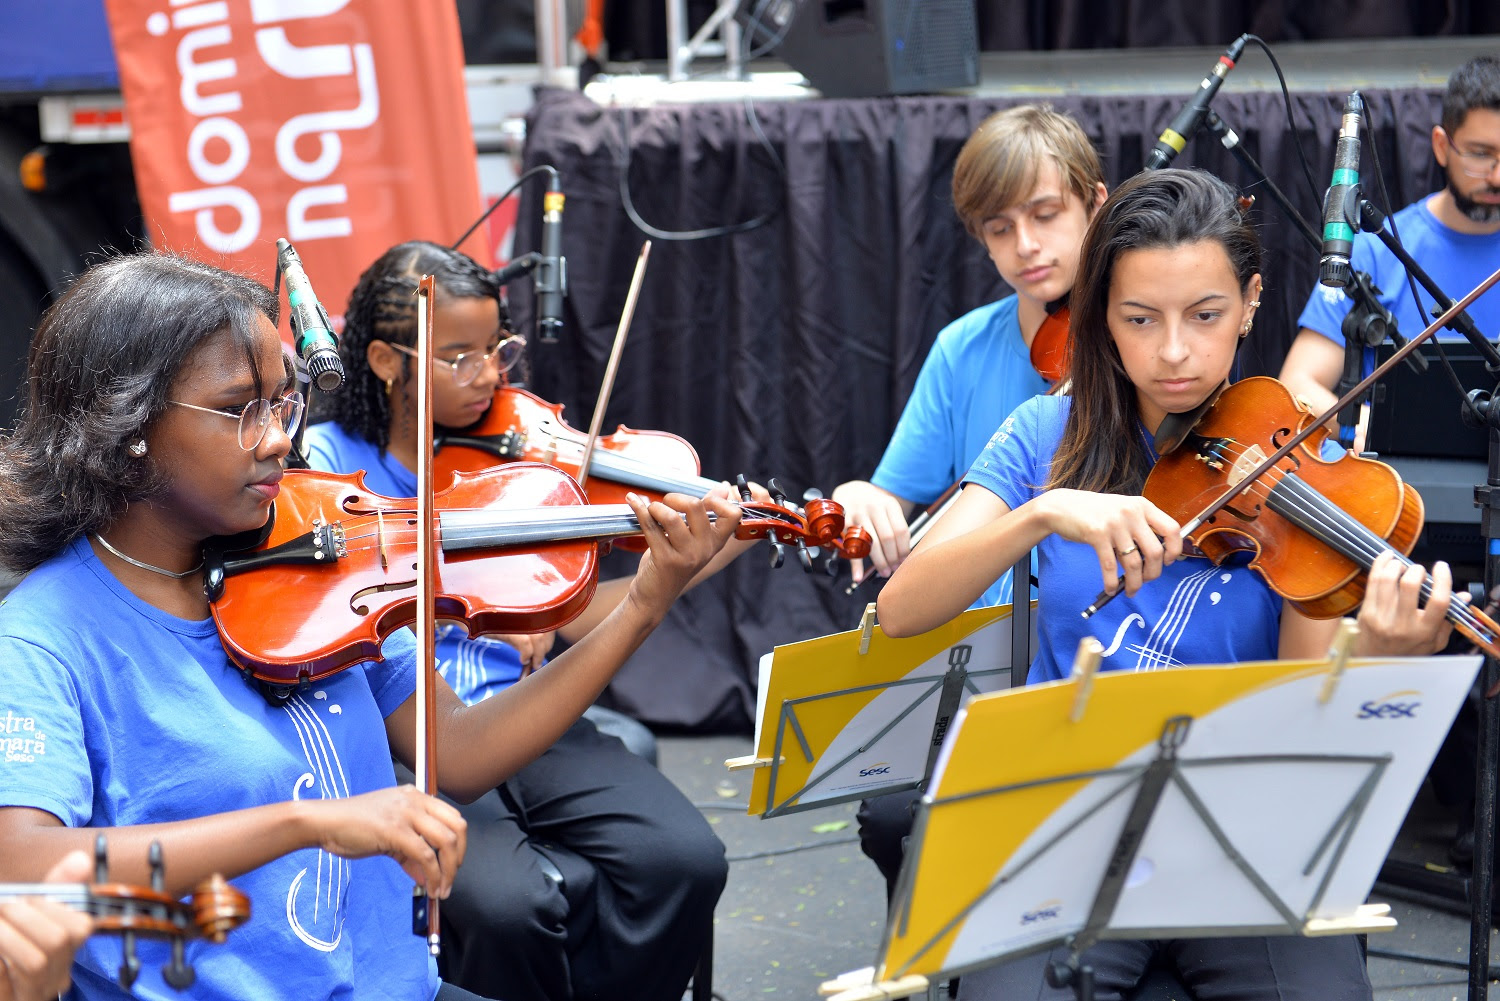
[
  {"x": 1195, "y": 613},
  {"x": 117, "y": 714}
]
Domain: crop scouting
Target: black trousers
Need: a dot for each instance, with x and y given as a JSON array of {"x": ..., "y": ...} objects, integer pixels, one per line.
[
  {"x": 884, "y": 823},
  {"x": 1278, "y": 968},
  {"x": 642, "y": 872}
]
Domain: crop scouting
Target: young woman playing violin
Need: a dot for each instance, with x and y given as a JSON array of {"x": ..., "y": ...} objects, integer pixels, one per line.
[
  {"x": 158, "y": 417},
  {"x": 1168, "y": 288},
  {"x": 510, "y": 932}
]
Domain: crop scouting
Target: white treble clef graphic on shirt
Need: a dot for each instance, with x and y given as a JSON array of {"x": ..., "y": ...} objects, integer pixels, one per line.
[{"x": 318, "y": 918}]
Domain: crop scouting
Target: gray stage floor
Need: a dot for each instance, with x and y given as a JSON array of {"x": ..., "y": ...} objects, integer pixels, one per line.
[{"x": 803, "y": 904}]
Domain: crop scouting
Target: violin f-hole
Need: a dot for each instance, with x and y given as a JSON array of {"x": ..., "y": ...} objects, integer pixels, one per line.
[{"x": 399, "y": 585}]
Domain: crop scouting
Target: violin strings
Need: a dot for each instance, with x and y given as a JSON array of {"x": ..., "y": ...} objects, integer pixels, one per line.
[
  {"x": 1301, "y": 499},
  {"x": 609, "y": 460}
]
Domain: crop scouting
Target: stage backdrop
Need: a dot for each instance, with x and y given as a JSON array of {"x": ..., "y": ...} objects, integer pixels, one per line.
[{"x": 790, "y": 349}]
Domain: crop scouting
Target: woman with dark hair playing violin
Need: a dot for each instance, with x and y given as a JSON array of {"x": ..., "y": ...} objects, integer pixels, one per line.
[
  {"x": 158, "y": 417},
  {"x": 511, "y": 932},
  {"x": 1168, "y": 287}
]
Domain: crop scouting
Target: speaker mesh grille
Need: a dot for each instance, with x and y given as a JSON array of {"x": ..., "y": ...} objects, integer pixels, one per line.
[{"x": 932, "y": 44}]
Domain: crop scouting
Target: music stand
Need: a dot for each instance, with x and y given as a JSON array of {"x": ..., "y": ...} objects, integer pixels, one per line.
[
  {"x": 1172, "y": 807},
  {"x": 859, "y": 714}
]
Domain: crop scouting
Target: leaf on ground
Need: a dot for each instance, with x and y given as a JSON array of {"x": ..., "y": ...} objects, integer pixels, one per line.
[{"x": 830, "y": 826}]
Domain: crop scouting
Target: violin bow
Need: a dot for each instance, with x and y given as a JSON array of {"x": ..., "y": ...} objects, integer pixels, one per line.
[
  {"x": 1313, "y": 425},
  {"x": 612, "y": 369},
  {"x": 424, "y": 908}
]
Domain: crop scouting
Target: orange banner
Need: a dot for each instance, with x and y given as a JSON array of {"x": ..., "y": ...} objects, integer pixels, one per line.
[{"x": 338, "y": 124}]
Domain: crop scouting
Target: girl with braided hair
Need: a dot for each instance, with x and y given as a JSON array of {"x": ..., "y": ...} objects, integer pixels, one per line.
[{"x": 509, "y": 931}]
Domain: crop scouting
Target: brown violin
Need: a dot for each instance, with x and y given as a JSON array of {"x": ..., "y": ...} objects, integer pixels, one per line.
[
  {"x": 521, "y": 426},
  {"x": 1051, "y": 347},
  {"x": 1315, "y": 526},
  {"x": 212, "y": 911},
  {"x": 517, "y": 550}
]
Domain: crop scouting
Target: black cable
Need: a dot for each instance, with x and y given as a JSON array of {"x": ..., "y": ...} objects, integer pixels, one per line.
[
  {"x": 1291, "y": 120},
  {"x": 805, "y": 846},
  {"x": 732, "y": 229},
  {"x": 538, "y": 169}
]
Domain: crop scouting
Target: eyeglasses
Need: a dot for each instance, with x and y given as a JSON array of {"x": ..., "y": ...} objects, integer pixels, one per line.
[
  {"x": 254, "y": 417},
  {"x": 1474, "y": 164},
  {"x": 467, "y": 366}
]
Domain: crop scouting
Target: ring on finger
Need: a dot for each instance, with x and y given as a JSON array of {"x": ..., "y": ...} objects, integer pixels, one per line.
[{"x": 1127, "y": 552}]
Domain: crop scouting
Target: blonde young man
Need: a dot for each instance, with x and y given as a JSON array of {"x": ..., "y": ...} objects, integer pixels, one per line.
[{"x": 1025, "y": 185}]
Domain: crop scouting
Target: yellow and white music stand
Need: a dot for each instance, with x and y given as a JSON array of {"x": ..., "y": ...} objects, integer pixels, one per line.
[
  {"x": 1201, "y": 801},
  {"x": 859, "y": 714}
]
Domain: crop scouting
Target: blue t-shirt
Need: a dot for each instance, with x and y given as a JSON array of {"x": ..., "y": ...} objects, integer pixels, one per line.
[
  {"x": 978, "y": 371},
  {"x": 1456, "y": 261},
  {"x": 475, "y": 668},
  {"x": 117, "y": 713},
  {"x": 1195, "y": 613}
]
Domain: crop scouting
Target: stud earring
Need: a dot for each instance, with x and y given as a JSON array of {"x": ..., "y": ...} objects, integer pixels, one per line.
[
  {"x": 137, "y": 448},
  {"x": 1254, "y": 304}
]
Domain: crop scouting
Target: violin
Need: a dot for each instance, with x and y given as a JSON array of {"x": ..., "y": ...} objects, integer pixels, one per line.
[
  {"x": 1051, "y": 347},
  {"x": 212, "y": 911},
  {"x": 521, "y": 426},
  {"x": 516, "y": 550},
  {"x": 1314, "y": 526}
]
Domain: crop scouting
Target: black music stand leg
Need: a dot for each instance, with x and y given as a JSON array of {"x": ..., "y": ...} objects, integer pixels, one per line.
[
  {"x": 1482, "y": 881},
  {"x": 1072, "y": 973}
]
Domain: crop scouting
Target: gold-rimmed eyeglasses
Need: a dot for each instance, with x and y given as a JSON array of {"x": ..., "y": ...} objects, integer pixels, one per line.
[
  {"x": 467, "y": 366},
  {"x": 254, "y": 417}
]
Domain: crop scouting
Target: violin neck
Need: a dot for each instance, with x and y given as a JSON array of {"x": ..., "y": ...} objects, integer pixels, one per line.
[
  {"x": 630, "y": 472},
  {"x": 74, "y": 895},
  {"x": 469, "y": 530}
]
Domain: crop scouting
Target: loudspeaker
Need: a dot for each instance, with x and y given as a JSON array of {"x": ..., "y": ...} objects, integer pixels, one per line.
[{"x": 866, "y": 48}]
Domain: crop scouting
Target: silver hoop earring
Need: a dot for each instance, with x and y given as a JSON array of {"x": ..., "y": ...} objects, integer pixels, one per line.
[{"x": 137, "y": 448}]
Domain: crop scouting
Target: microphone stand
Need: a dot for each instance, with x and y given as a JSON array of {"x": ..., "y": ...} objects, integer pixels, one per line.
[
  {"x": 1486, "y": 498},
  {"x": 1361, "y": 292},
  {"x": 1371, "y": 219}
]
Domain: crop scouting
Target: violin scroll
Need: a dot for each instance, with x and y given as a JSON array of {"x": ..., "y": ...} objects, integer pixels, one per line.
[
  {"x": 819, "y": 524},
  {"x": 212, "y": 911}
]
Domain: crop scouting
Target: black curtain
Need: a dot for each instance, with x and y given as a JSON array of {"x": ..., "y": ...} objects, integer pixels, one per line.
[{"x": 789, "y": 350}]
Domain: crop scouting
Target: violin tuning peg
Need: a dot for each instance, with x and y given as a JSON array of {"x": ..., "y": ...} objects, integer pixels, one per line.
[
  {"x": 101, "y": 860},
  {"x": 743, "y": 486},
  {"x": 778, "y": 554},
  {"x": 130, "y": 963},
  {"x": 811, "y": 494},
  {"x": 777, "y": 494},
  {"x": 804, "y": 557},
  {"x": 831, "y": 565},
  {"x": 177, "y": 973},
  {"x": 158, "y": 868}
]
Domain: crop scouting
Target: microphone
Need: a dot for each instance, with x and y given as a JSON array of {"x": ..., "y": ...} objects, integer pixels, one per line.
[
  {"x": 551, "y": 275},
  {"x": 1175, "y": 136},
  {"x": 311, "y": 327},
  {"x": 1343, "y": 192}
]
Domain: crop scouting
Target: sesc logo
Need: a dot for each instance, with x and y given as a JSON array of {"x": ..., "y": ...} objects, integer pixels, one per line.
[
  {"x": 1397, "y": 705},
  {"x": 1045, "y": 911},
  {"x": 879, "y": 768}
]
